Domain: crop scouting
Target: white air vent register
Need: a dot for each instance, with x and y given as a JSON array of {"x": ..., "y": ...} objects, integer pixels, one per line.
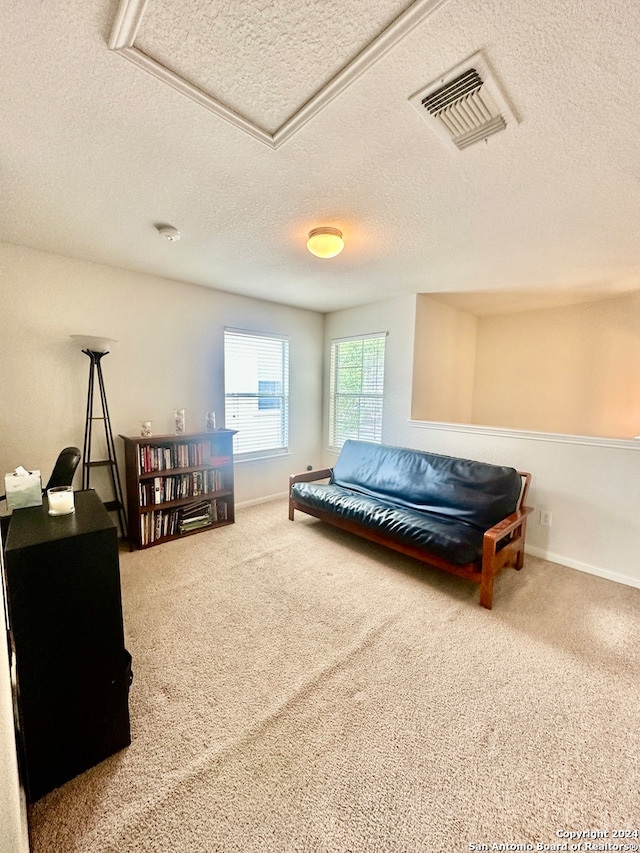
[{"x": 465, "y": 105}]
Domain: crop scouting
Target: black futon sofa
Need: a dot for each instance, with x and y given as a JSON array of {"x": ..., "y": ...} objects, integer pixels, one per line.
[{"x": 463, "y": 516}]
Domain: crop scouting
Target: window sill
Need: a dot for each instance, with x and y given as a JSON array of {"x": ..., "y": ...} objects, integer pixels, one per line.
[{"x": 263, "y": 456}]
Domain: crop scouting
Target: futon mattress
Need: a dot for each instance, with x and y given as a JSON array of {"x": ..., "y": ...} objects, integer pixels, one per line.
[{"x": 444, "y": 536}]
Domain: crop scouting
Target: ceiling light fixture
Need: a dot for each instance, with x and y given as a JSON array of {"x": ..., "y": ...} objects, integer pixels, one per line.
[{"x": 325, "y": 242}]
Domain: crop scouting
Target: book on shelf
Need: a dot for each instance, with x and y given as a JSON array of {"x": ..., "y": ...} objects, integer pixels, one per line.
[
  {"x": 194, "y": 516},
  {"x": 187, "y": 526},
  {"x": 187, "y": 454},
  {"x": 195, "y": 511},
  {"x": 178, "y": 486},
  {"x": 218, "y": 460}
]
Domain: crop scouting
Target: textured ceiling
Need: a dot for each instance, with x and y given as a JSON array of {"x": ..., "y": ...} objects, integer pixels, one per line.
[
  {"x": 94, "y": 152},
  {"x": 263, "y": 60}
]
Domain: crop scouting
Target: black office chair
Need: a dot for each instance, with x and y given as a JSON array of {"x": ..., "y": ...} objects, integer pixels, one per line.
[
  {"x": 62, "y": 475},
  {"x": 65, "y": 468}
]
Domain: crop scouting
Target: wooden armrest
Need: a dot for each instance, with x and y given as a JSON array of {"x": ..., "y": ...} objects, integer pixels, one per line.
[
  {"x": 306, "y": 477},
  {"x": 504, "y": 527},
  {"x": 495, "y": 555},
  {"x": 310, "y": 476},
  {"x": 526, "y": 482}
]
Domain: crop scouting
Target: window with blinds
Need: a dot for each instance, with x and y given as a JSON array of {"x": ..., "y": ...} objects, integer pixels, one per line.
[
  {"x": 256, "y": 391},
  {"x": 356, "y": 389}
]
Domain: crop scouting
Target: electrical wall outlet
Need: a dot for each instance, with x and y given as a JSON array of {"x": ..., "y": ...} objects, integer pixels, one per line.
[{"x": 545, "y": 518}]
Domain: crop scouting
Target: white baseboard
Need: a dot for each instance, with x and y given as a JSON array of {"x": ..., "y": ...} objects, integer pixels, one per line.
[
  {"x": 581, "y": 567},
  {"x": 542, "y": 553},
  {"x": 263, "y": 500}
]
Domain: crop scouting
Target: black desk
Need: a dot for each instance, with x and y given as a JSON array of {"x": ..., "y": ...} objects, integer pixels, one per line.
[
  {"x": 5, "y": 518},
  {"x": 73, "y": 672}
]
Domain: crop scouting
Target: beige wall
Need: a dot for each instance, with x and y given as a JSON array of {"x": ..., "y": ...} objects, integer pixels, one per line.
[
  {"x": 443, "y": 362},
  {"x": 573, "y": 370},
  {"x": 169, "y": 355}
]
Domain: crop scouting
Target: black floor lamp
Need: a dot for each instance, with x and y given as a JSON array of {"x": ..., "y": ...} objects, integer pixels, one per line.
[{"x": 96, "y": 348}]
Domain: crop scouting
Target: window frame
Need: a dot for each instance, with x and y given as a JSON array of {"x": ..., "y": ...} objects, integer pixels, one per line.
[
  {"x": 335, "y": 439},
  {"x": 281, "y": 400}
]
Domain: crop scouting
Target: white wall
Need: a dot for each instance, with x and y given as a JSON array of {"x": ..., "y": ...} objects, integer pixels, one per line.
[
  {"x": 592, "y": 489},
  {"x": 169, "y": 355}
]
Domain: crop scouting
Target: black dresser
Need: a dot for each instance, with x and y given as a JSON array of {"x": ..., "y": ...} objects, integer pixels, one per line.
[{"x": 73, "y": 673}]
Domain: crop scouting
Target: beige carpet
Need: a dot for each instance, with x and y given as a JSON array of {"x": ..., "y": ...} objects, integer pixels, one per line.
[{"x": 298, "y": 689}]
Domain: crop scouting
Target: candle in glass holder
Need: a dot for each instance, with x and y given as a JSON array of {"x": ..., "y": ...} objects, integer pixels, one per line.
[{"x": 60, "y": 500}]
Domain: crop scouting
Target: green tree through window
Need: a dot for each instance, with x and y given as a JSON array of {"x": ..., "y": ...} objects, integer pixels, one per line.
[{"x": 356, "y": 389}]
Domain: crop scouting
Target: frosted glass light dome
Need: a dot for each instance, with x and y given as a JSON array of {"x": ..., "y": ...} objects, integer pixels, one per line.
[
  {"x": 325, "y": 242},
  {"x": 94, "y": 343}
]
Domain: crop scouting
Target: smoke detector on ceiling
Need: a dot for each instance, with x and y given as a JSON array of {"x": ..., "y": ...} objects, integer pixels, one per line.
[
  {"x": 171, "y": 234},
  {"x": 465, "y": 105}
]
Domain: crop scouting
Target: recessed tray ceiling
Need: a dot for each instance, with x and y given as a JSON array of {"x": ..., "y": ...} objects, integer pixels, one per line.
[{"x": 267, "y": 69}]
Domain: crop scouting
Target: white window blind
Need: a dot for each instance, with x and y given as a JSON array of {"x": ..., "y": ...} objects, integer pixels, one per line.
[
  {"x": 256, "y": 391},
  {"x": 356, "y": 389}
]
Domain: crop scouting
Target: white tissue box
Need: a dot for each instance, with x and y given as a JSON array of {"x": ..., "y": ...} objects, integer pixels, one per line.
[{"x": 23, "y": 489}]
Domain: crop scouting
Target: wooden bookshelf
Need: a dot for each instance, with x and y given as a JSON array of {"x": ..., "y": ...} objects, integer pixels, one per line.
[{"x": 178, "y": 485}]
